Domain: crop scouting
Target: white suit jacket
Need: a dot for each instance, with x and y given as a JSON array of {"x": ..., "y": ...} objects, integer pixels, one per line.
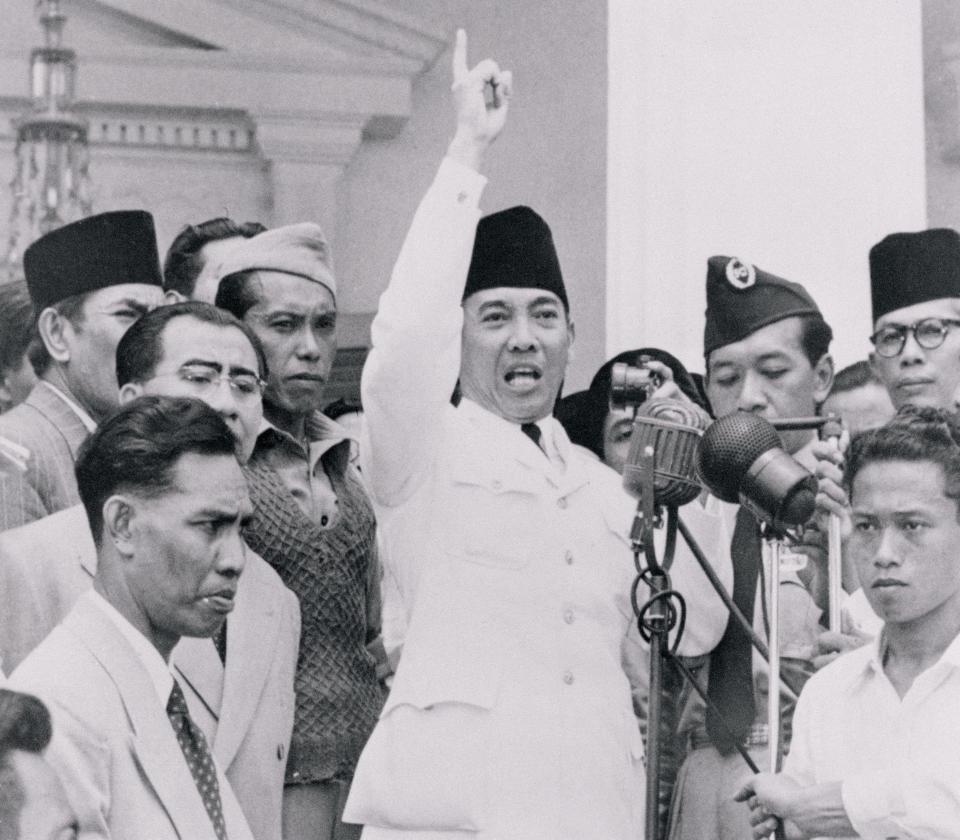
[
  {"x": 113, "y": 745},
  {"x": 245, "y": 710},
  {"x": 510, "y": 714}
]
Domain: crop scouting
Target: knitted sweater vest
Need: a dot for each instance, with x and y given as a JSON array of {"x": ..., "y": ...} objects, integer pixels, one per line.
[{"x": 338, "y": 695}]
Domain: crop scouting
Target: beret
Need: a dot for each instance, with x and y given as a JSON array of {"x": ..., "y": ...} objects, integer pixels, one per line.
[
  {"x": 742, "y": 299},
  {"x": 108, "y": 249},
  {"x": 514, "y": 248},
  {"x": 909, "y": 268},
  {"x": 300, "y": 249}
]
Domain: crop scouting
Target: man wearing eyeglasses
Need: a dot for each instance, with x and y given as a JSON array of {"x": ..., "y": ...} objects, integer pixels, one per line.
[
  {"x": 915, "y": 296},
  {"x": 915, "y": 290},
  {"x": 240, "y": 688}
]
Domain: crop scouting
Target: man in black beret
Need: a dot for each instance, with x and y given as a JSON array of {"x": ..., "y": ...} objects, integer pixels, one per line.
[
  {"x": 88, "y": 281},
  {"x": 766, "y": 347}
]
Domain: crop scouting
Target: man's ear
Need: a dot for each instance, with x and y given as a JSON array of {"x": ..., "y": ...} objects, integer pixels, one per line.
[
  {"x": 823, "y": 378},
  {"x": 572, "y": 330},
  {"x": 118, "y": 515},
  {"x": 130, "y": 391},
  {"x": 55, "y": 333}
]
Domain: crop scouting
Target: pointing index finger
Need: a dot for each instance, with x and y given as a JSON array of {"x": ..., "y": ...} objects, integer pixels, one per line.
[{"x": 460, "y": 69}]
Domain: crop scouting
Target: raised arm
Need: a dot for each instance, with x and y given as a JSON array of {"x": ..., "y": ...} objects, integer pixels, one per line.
[{"x": 415, "y": 358}]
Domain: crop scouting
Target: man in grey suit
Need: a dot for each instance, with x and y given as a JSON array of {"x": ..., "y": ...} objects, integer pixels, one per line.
[
  {"x": 243, "y": 698},
  {"x": 166, "y": 500},
  {"x": 88, "y": 281}
]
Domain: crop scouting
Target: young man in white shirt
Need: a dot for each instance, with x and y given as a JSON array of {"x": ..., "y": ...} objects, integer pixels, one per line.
[{"x": 875, "y": 732}]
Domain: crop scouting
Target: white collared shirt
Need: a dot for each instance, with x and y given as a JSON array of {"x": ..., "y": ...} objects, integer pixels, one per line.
[
  {"x": 85, "y": 418},
  {"x": 157, "y": 668},
  {"x": 898, "y": 759}
]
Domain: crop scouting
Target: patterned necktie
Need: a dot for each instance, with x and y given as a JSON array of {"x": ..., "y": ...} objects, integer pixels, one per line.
[
  {"x": 730, "y": 685},
  {"x": 194, "y": 748},
  {"x": 532, "y": 431}
]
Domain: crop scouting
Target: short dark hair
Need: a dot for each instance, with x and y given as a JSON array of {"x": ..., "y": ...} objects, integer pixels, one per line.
[
  {"x": 815, "y": 337},
  {"x": 237, "y": 292},
  {"x": 183, "y": 264},
  {"x": 141, "y": 348},
  {"x": 916, "y": 433},
  {"x": 16, "y": 324},
  {"x": 854, "y": 376},
  {"x": 24, "y": 725},
  {"x": 71, "y": 309},
  {"x": 137, "y": 447}
]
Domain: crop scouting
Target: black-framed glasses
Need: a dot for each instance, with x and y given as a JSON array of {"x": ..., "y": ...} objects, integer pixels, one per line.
[
  {"x": 205, "y": 379},
  {"x": 929, "y": 333}
]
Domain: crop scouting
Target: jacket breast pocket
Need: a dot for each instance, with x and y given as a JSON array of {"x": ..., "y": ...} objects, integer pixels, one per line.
[
  {"x": 429, "y": 762},
  {"x": 490, "y": 521}
]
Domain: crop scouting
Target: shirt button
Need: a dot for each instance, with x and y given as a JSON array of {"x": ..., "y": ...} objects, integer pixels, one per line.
[
  {"x": 568, "y": 616},
  {"x": 562, "y": 503},
  {"x": 461, "y": 197},
  {"x": 497, "y": 484},
  {"x": 568, "y": 557},
  {"x": 568, "y": 677}
]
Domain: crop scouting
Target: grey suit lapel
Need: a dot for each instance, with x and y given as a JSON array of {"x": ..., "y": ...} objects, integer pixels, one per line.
[
  {"x": 152, "y": 740},
  {"x": 253, "y": 634},
  {"x": 63, "y": 418}
]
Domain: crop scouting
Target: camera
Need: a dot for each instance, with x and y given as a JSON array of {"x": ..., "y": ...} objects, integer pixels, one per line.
[{"x": 632, "y": 385}]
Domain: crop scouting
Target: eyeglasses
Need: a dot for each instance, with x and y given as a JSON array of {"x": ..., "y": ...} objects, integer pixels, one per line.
[
  {"x": 245, "y": 386},
  {"x": 929, "y": 333}
]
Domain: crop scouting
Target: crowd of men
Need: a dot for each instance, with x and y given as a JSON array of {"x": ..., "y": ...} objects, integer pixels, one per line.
[{"x": 227, "y": 616}]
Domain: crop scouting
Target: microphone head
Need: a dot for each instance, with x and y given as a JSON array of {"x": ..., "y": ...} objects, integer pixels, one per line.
[
  {"x": 729, "y": 448},
  {"x": 672, "y": 429}
]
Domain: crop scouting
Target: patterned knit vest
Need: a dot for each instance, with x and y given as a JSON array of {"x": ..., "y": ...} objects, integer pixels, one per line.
[{"x": 338, "y": 695}]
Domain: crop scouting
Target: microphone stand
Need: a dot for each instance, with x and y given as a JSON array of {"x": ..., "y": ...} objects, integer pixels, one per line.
[
  {"x": 771, "y": 559},
  {"x": 655, "y": 621}
]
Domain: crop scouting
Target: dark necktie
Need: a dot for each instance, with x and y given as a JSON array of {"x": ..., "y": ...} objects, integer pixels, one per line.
[
  {"x": 532, "y": 431},
  {"x": 220, "y": 642},
  {"x": 194, "y": 748},
  {"x": 731, "y": 663}
]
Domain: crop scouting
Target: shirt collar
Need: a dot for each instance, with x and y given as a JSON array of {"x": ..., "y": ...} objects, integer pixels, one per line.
[
  {"x": 85, "y": 418},
  {"x": 552, "y": 437},
  {"x": 878, "y": 649},
  {"x": 323, "y": 435},
  {"x": 157, "y": 669}
]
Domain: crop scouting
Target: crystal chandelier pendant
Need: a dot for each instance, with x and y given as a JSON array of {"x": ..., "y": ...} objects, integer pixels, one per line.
[{"x": 51, "y": 181}]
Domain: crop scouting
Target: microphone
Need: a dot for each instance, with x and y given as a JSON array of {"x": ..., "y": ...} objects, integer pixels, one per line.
[
  {"x": 673, "y": 430},
  {"x": 741, "y": 459}
]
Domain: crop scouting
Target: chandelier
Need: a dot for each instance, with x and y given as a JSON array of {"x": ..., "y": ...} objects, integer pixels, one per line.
[{"x": 51, "y": 184}]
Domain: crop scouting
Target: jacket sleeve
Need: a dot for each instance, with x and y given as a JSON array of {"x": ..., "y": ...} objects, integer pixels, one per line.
[{"x": 414, "y": 362}]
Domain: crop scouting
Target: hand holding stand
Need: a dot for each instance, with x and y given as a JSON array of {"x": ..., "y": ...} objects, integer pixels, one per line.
[{"x": 832, "y": 430}]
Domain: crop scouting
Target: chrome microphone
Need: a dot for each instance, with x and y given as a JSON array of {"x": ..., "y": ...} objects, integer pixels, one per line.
[
  {"x": 741, "y": 459},
  {"x": 672, "y": 429}
]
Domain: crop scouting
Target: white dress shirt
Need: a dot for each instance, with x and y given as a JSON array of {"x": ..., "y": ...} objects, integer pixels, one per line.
[{"x": 898, "y": 759}]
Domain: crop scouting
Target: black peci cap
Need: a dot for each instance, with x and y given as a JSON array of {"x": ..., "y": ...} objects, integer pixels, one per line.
[
  {"x": 103, "y": 250},
  {"x": 909, "y": 268},
  {"x": 514, "y": 248}
]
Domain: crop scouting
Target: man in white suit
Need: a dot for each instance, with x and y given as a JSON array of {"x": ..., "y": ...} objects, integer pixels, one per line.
[
  {"x": 243, "y": 702},
  {"x": 510, "y": 715},
  {"x": 166, "y": 500}
]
